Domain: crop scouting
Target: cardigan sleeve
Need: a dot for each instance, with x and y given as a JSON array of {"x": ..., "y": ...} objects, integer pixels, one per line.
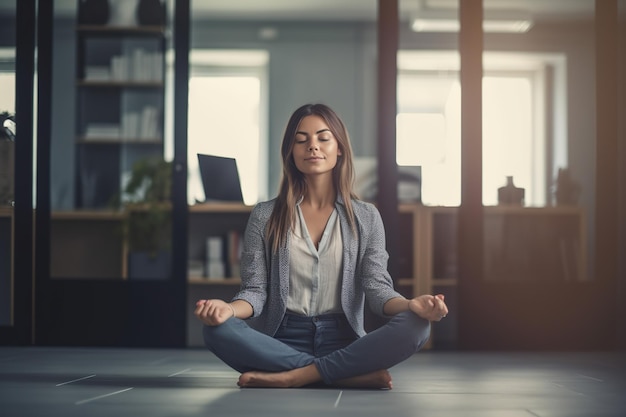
[
  {"x": 254, "y": 268},
  {"x": 377, "y": 282}
]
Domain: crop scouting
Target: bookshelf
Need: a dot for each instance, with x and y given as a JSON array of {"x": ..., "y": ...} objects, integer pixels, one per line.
[
  {"x": 120, "y": 92},
  {"x": 225, "y": 222}
]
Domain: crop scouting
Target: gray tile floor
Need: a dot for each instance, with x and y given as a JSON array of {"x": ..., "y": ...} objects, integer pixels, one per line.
[{"x": 37, "y": 381}]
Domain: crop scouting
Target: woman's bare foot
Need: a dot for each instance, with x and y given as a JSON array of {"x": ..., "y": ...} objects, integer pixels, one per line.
[
  {"x": 308, "y": 375},
  {"x": 377, "y": 379},
  {"x": 256, "y": 379},
  {"x": 288, "y": 379}
]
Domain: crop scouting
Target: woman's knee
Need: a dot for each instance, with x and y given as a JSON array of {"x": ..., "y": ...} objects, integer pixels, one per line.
[
  {"x": 213, "y": 334},
  {"x": 417, "y": 328}
]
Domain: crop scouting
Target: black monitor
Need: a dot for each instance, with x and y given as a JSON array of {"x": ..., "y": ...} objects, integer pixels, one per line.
[{"x": 220, "y": 178}]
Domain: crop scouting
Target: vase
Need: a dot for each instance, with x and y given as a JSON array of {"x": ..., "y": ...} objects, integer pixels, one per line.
[
  {"x": 567, "y": 190},
  {"x": 510, "y": 194}
]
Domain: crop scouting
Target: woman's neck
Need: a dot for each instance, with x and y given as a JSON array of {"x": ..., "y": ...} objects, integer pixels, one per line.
[{"x": 320, "y": 194}]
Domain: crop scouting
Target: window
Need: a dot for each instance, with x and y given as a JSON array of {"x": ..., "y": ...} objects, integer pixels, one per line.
[
  {"x": 514, "y": 139},
  {"x": 7, "y": 86},
  {"x": 227, "y": 117},
  {"x": 7, "y": 80}
]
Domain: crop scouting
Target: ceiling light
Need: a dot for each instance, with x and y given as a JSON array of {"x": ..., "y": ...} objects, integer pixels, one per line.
[{"x": 430, "y": 20}]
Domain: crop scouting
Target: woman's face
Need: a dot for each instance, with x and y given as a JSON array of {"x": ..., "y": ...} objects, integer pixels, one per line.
[{"x": 315, "y": 148}]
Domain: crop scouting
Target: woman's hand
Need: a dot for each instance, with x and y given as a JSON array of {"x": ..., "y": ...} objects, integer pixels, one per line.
[
  {"x": 213, "y": 312},
  {"x": 429, "y": 307}
]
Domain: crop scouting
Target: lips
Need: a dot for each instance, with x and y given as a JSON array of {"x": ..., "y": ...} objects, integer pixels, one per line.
[{"x": 314, "y": 158}]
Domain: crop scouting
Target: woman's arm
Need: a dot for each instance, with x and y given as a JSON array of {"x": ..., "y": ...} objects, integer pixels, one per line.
[
  {"x": 429, "y": 307},
  {"x": 253, "y": 264},
  {"x": 378, "y": 284},
  {"x": 216, "y": 312},
  {"x": 252, "y": 294},
  {"x": 372, "y": 264}
]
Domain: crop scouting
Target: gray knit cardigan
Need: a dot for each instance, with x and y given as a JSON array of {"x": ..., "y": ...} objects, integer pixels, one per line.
[{"x": 265, "y": 276}]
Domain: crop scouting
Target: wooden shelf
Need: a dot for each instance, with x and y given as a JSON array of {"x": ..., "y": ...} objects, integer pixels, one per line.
[
  {"x": 445, "y": 282},
  {"x": 88, "y": 215},
  {"x": 526, "y": 210},
  {"x": 119, "y": 84},
  {"x": 150, "y": 30},
  {"x": 214, "y": 281},
  {"x": 94, "y": 242},
  {"x": 220, "y": 207},
  {"x": 119, "y": 141}
]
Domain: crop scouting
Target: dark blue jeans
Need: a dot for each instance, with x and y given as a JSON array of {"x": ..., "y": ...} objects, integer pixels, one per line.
[{"x": 328, "y": 341}]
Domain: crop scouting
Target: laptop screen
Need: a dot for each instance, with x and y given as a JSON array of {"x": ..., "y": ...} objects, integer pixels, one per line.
[{"x": 220, "y": 178}]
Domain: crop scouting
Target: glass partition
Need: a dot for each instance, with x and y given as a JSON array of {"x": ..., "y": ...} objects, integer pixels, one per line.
[
  {"x": 537, "y": 224},
  {"x": 429, "y": 149},
  {"x": 429, "y": 102},
  {"x": 7, "y": 160},
  {"x": 535, "y": 171},
  {"x": 110, "y": 160},
  {"x": 538, "y": 142}
]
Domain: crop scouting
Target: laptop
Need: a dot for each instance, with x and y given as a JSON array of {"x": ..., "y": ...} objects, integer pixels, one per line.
[{"x": 220, "y": 178}]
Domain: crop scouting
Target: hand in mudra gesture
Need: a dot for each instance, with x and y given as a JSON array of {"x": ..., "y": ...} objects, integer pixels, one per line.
[
  {"x": 213, "y": 312},
  {"x": 429, "y": 307}
]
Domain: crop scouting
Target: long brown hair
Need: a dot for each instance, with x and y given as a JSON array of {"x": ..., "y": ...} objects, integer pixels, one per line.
[{"x": 293, "y": 184}]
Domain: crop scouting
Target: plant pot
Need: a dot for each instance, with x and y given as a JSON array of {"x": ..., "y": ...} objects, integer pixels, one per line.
[{"x": 150, "y": 266}]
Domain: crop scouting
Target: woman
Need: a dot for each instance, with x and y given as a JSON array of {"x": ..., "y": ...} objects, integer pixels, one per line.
[{"x": 311, "y": 258}]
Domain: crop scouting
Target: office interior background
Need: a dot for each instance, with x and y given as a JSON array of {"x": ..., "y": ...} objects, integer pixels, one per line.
[{"x": 442, "y": 111}]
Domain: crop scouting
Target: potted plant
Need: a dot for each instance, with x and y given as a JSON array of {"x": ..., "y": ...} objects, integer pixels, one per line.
[{"x": 147, "y": 224}]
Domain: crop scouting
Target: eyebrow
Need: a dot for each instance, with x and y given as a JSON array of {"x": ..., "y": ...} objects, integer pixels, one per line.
[{"x": 318, "y": 132}]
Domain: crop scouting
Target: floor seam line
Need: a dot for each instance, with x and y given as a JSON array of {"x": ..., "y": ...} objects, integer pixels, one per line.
[
  {"x": 101, "y": 396},
  {"x": 338, "y": 399},
  {"x": 75, "y": 380}
]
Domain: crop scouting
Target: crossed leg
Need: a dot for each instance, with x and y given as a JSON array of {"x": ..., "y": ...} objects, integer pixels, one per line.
[{"x": 362, "y": 364}]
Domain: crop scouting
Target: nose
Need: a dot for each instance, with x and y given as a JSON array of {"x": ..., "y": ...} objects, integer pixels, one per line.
[{"x": 313, "y": 147}]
